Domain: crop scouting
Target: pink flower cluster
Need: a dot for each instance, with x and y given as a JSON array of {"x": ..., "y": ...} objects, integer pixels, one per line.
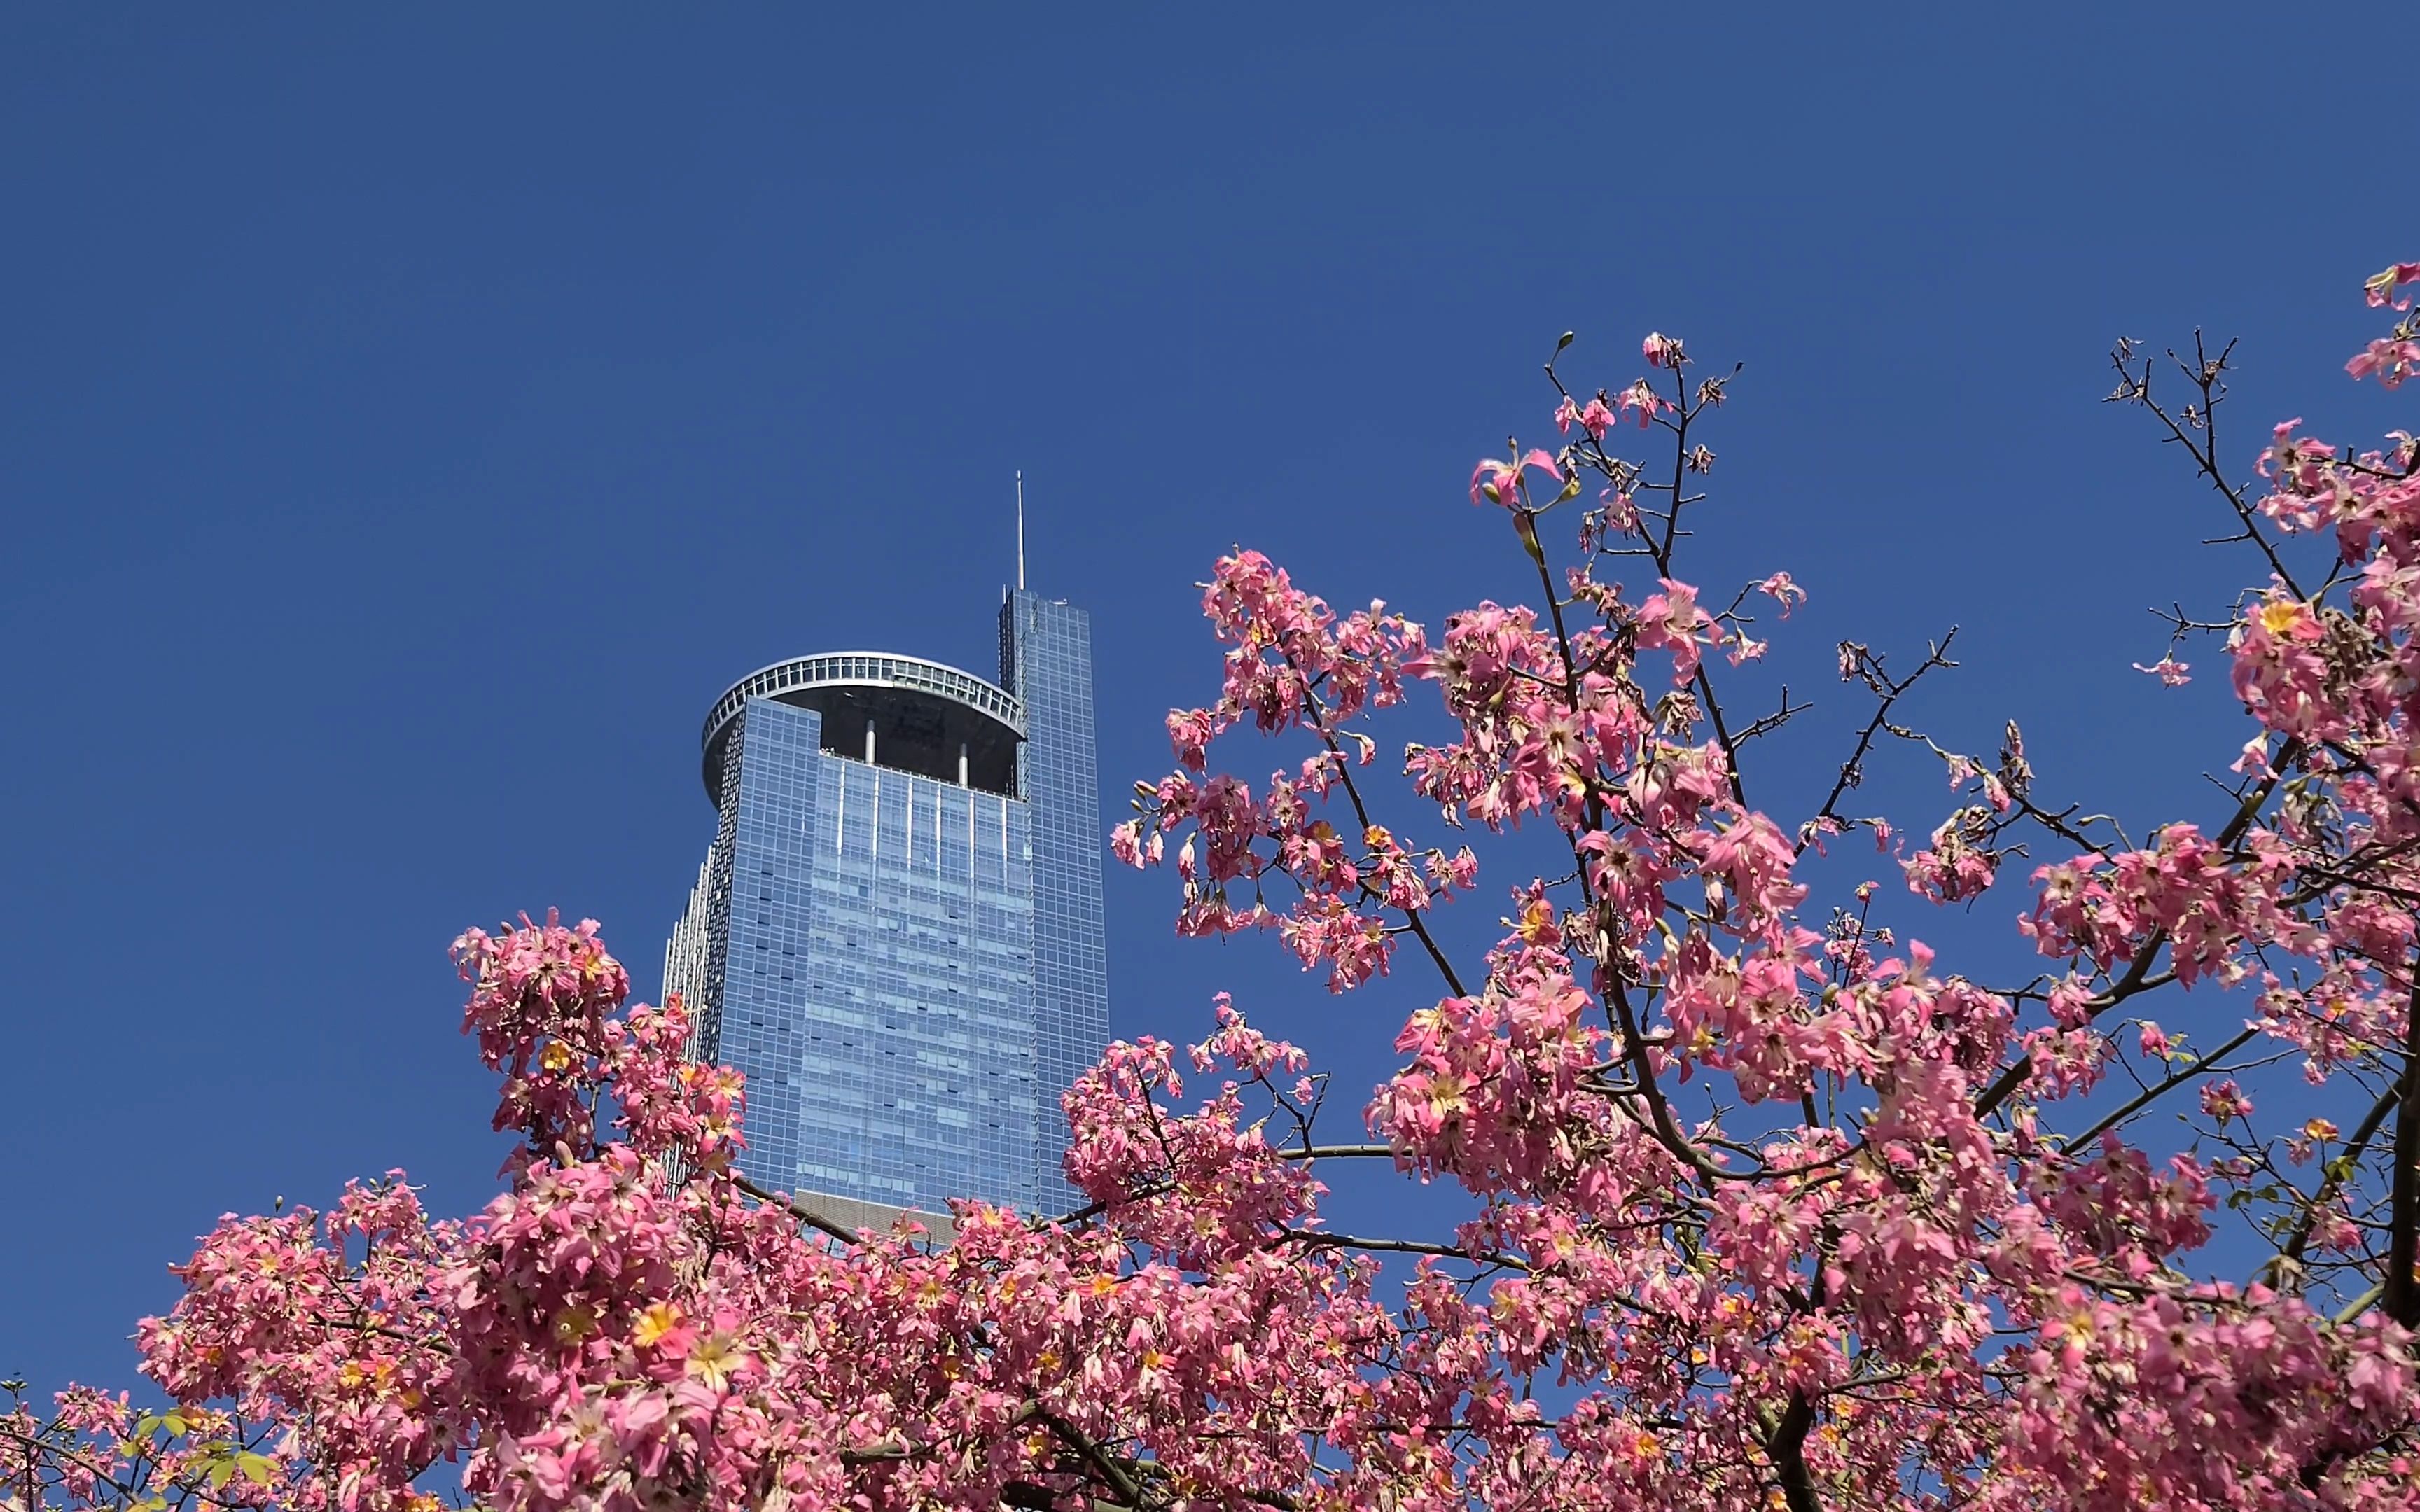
[{"x": 1760, "y": 1207}]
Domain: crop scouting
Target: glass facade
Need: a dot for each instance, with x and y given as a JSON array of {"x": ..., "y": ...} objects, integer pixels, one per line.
[
  {"x": 897, "y": 933},
  {"x": 1045, "y": 660}
]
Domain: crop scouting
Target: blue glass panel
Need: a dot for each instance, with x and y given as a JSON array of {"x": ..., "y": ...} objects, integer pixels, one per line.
[
  {"x": 1047, "y": 661},
  {"x": 908, "y": 970}
]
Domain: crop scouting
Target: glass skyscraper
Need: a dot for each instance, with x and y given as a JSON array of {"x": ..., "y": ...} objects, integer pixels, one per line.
[{"x": 897, "y": 932}]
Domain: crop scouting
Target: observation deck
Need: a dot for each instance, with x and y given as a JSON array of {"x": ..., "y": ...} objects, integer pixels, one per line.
[{"x": 899, "y": 712}]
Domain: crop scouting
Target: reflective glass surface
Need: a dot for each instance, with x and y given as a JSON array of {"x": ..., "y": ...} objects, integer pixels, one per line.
[
  {"x": 908, "y": 971},
  {"x": 1047, "y": 661},
  {"x": 875, "y": 970}
]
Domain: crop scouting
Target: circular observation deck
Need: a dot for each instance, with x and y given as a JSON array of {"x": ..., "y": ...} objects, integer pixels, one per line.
[{"x": 901, "y": 712}]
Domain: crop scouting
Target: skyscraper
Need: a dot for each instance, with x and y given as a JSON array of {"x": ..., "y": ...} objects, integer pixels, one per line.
[{"x": 897, "y": 932}]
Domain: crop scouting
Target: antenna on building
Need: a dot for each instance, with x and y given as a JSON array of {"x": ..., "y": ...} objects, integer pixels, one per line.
[{"x": 1021, "y": 529}]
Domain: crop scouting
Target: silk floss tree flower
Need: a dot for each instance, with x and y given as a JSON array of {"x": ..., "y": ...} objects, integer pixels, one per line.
[{"x": 1763, "y": 1203}]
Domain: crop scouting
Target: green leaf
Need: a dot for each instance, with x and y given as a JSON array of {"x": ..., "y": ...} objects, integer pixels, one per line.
[
  {"x": 259, "y": 1469},
  {"x": 221, "y": 1472}
]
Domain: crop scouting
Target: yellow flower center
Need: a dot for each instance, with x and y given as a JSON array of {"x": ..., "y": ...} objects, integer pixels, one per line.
[
  {"x": 2281, "y": 617},
  {"x": 656, "y": 1322}
]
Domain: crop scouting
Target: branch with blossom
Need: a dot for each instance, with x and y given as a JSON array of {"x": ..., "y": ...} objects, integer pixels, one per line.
[{"x": 1768, "y": 1206}]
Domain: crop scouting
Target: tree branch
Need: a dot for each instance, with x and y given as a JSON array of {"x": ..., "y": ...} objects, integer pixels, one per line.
[
  {"x": 797, "y": 1210},
  {"x": 2400, "y": 1297},
  {"x": 2139, "y": 971},
  {"x": 1323, "y": 1239},
  {"x": 1787, "y": 1446},
  {"x": 2292, "y": 1253},
  {"x": 2152, "y": 1093}
]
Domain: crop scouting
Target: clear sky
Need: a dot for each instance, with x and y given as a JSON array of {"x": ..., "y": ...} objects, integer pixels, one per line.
[{"x": 410, "y": 423}]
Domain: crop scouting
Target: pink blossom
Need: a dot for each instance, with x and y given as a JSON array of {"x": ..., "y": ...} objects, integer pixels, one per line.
[
  {"x": 2385, "y": 287},
  {"x": 2224, "y": 1100},
  {"x": 1672, "y": 621},
  {"x": 2170, "y": 672},
  {"x": 1783, "y": 592},
  {"x": 1593, "y": 418},
  {"x": 1742, "y": 1199},
  {"x": 1641, "y": 399},
  {"x": 2390, "y": 362},
  {"x": 1494, "y": 481}
]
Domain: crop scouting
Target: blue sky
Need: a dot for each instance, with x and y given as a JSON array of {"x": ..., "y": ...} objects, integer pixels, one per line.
[{"x": 408, "y": 425}]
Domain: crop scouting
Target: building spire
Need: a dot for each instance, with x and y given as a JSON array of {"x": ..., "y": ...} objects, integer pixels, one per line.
[{"x": 1021, "y": 529}]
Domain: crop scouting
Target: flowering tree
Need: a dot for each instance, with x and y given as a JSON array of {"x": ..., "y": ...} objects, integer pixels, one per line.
[{"x": 1770, "y": 1209}]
